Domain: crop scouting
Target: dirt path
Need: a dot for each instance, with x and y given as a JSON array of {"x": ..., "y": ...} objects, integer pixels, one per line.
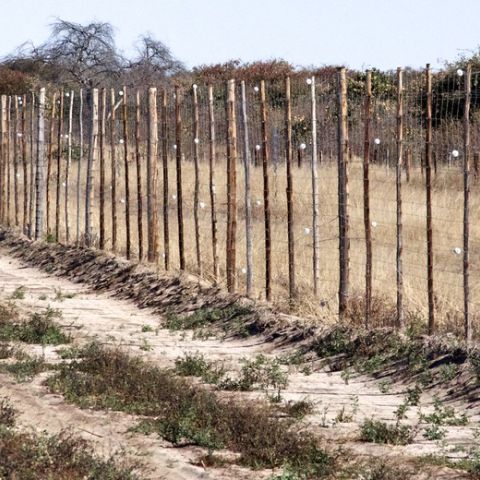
[{"x": 117, "y": 322}]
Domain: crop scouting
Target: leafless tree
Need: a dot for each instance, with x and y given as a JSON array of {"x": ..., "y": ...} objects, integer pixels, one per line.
[
  {"x": 83, "y": 54},
  {"x": 154, "y": 62}
]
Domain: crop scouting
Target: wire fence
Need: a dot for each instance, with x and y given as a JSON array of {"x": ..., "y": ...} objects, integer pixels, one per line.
[{"x": 339, "y": 194}]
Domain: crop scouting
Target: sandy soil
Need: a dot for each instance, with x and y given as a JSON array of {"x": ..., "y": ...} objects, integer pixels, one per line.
[{"x": 89, "y": 315}]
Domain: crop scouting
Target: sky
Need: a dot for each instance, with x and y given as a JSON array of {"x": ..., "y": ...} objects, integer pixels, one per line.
[{"x": 356, "y": 33}]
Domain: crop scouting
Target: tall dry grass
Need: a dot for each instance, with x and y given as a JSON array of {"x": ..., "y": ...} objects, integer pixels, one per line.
[{"x": 447, "y": 234}]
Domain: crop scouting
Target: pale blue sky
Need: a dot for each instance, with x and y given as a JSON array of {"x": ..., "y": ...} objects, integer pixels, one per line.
[{"x": 360, "y": 34}]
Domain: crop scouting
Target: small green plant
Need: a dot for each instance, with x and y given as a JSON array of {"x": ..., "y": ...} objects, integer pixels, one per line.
[
  {"x": 42, "y": 297},
  {"x": 384, "y": 386},
  {"x": 206, "y": 318},
  {"x": 195, "y": 365},
  {"x": 343, "y": 417},
  {"x": 61, "y": 296},
  {"x": 346, "y": 375},
  {"x": 18, "y": 293},
  {"x": 39, "y": 328},
  {"x": 7, "y": 413},
  {"x": 299, "y": 409},
  {"x": 413, "y": 395},
  {"x": 448, "y": 372},
  {"x": 25, "y": 370},
  {"x": 442, "y": 416},
  {"x": 262, "y": 372},
  {"x": 376, "y": 431},
  {"x": 146, "y": 329}
]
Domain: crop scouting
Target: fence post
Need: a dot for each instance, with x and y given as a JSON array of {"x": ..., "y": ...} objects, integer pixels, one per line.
[
  {"x": 315, "y": 208},
  {"x": 3, "y": 127},
  {"x": 196, "y": 195},
  {"x": 79, "y": 165},
  {"x": 231, "y": 186},
  {"x": 152, "y": 152},
  {"x": 3, "y": 130},
  {"x": 15, "y": 158},
  {"x": 67, "y": 168},
  {"x": 9, "y": 173},
  {"x": 49, "y": 160},
  {"x": 366, "y": 201},
  {"x": 428, "y": 184},
  {"x": 266, "y": 194},
  {"x": 212, "y": 187},
  {"x": 289, "y": 192},
  {"x": 103, "y": 119},
  {"x": 59, "y": 168},
  {"x": 25, "y": 168},
  {"x": 126, "y": 173},
  {"x": 40, "y": 166},
  {"x": 343, "y": 220},
  {"x": 166, "y": 230},
  {"x": 138, "y": 161},
  {"x": 32, "y": 168},
  {"x": 400, "y": 312},
  {"x": 92, "y": 155},
  {"x": 113, "y": 159},
  {"x": 248, "y": 200},
  {"x": 466, "y": 207},
  {"x": 178, "y": 152}
]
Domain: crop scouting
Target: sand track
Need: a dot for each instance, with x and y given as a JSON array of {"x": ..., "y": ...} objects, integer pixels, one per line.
[{"x": 114, "y": 321}]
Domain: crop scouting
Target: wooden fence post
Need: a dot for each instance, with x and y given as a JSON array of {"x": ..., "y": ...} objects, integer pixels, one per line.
[
  {"x": 400, "y": 313},
  {"x": 178, "y": 152},
  {"x": 428, "y": 182},
  {"x": 113, "y": 158},
  {"x": 266, "y": 194},
  {"x": 289, "y": 192},
  {"x": 166, "y": 229},
  {"x": 67, "y": 167},
  {"x": 343, "y": 220},
  {"x": 25, "y": 167},
  {"x": 49, "y": 159},
  {"x": 9, "y": 173},
  {"x": 231, "y": 186},
  {"x": 248, "y": 200},
  {"x": 366, "y": 201},
  {"x": 3, "y": 131},
  {"x": 92, "y": 155},
  {"x": 40, "y": 167},
  {"x": 127, "y": 174},
  {"x": 196, "y": 195},
  {"x": 59, "y": 168},
  {"x": 32, "y": 168},
  {"x": 79, "y": 165},
  {"x": 152, "y": 176},
  {"x": 103, "y": 131},
  {"x": 315, "y": 207},
  {"x": 15, "y": 159},
  {"x": 138, "y": 162},
  {"x": 466, "y": 207},
  {"x": 212, "y": 187}
]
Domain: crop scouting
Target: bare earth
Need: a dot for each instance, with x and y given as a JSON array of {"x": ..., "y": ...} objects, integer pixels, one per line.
[{"x": 89, "y": 315}]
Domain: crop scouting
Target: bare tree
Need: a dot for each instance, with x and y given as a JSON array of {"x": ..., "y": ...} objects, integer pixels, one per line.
[
  {"x": 154, "y": 62},
  {"x": 83, "y": 54}
]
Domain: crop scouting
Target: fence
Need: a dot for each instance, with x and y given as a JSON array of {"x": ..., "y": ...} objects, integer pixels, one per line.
[{"x": 340, "y": 193}]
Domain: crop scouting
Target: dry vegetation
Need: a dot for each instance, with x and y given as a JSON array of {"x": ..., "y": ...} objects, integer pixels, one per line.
[{"x": 447, "y": 208}]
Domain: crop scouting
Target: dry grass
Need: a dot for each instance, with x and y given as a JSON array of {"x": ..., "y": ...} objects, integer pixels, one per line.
[{"x": 447, "y": 211}]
